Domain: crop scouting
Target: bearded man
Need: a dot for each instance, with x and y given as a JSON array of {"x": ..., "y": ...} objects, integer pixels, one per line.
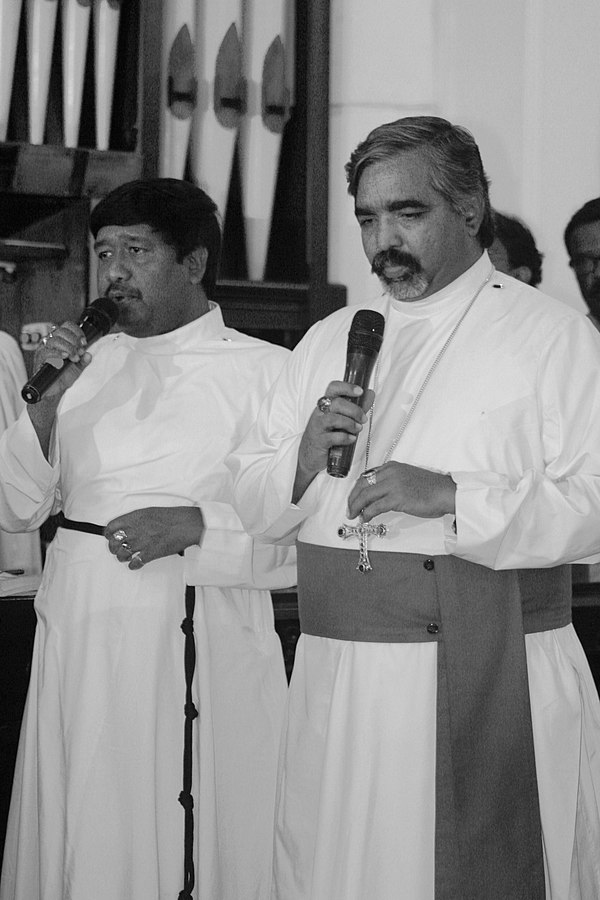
[{"x": 443, "y": 732}]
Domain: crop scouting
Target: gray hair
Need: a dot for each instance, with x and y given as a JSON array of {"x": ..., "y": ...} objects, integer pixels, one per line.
[{"x": 456, "y": 169}]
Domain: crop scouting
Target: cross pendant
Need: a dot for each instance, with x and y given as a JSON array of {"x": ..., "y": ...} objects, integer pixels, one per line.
[{"x": 362, "y": 532}]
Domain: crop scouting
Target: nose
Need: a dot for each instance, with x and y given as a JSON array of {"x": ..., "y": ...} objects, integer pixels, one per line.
[
  {"x": 117, "y": 268},
  {"x": 387, "y": 235}
]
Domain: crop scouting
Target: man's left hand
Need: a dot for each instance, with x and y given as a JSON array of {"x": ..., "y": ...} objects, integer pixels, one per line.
[
  {"x": 143, "y": 535},
  {"x": 402, "y": 488}
]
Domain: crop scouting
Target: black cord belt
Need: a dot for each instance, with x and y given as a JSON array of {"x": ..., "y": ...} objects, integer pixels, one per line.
[
  {"x": 190, "y": 713},
  {"x": 73, "y": 525}
]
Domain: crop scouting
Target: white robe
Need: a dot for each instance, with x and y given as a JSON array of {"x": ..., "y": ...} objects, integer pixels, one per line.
[
  {"x": 95, "y": 809},
  {"x": 17, "y": 551},
  {"x": 513, "y": 413}
]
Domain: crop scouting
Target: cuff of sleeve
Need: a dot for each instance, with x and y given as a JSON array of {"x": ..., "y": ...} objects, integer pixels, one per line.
[
  {"x": 228, "y": 557},
  {"x": 224, "y": 555},
  {"x": 285, "y": 517},
  {"x": 477, "y": 528}
]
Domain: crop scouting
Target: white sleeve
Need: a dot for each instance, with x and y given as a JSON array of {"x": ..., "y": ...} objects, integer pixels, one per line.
[
  {"x": 550, "y": 514},
  {"x": 12, "y": 378},
  {"x": 228, "y": 557},
  {"x": 28, "y": 482},
  {"x": 264, "y": 465}
]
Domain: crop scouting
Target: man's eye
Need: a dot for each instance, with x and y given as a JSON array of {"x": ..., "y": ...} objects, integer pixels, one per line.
[
  {"x": 364, "y": 223},
  {"x": 136, "y": 250},
  {"x": 103, "y": 254}
]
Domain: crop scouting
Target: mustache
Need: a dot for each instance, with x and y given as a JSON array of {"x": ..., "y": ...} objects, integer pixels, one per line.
[{"x": 394, "y": 257}]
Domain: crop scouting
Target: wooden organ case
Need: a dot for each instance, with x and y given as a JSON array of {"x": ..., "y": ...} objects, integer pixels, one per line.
[{"x": 47, "y": 187}]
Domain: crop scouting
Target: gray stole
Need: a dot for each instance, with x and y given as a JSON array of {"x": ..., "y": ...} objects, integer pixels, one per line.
[{"x": 488, "y": 842}]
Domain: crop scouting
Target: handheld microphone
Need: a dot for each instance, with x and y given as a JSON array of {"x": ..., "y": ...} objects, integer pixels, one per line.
[
  {"x": 96, "y": 320},
  {"x": 364, "y": 342}
]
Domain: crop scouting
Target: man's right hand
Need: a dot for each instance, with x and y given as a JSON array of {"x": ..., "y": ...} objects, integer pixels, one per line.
[
  {"x": 65, "y": 342},
  {"x": 338, "y": 426}
]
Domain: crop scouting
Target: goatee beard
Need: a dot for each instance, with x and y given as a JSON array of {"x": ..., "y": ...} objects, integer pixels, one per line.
[
  {"x": 411, "y": 285},
  {"x": 412, "y": 288}
]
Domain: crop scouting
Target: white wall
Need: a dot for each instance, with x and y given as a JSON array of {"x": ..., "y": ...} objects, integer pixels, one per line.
[{"x": 522, "y": 75}]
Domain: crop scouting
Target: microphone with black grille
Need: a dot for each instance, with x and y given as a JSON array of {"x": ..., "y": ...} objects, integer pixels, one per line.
[
  {"x": 96, "y": 320},
  {"x": 364, "y": 342}
]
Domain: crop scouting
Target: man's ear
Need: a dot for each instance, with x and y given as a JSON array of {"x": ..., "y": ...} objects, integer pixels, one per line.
[
  {"x": 522, "y": 273},
  {"x": 196, "y": 264},
  {"x": 473, "y": 213}
]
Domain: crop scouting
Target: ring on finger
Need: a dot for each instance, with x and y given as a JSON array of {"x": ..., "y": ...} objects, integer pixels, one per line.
[
  {"x": 137, "y": 558},
  {"x": 370, "y": 475},
  {"x": 324, "y": 404},
  {"x": 47, "y": 337},
  {"x": 120, "y": 535},
  {"x": 125, "y": 546}
]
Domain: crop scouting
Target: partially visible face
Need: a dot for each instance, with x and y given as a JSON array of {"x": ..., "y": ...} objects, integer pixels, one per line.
[
  {"x": 499, "y": 256},
  {"x": 415, "y": 241},
  {"x": 584, "y": 246},
  {"x": 139, "y": 271}
]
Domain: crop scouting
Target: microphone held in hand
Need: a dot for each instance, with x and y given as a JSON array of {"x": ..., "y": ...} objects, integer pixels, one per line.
[
  {"x": 96, "y": 320},
  {"x": 364, "y": 342}
]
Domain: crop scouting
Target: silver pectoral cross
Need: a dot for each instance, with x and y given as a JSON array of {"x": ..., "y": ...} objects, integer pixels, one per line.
[{"x": 362, "y": 532}]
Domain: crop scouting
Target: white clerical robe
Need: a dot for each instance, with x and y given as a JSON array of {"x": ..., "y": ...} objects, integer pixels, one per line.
[
  {"x": 17, "y": 551},
  {"x": 512, "y": 410},
  {"x": 95, "y": 809}
]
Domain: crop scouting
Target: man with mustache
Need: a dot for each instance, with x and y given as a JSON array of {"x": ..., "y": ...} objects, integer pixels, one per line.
[
  {"x": 582, "y": 240},
  {"x": 130, "y": 444},
  {"x": 443, "y": 730}
]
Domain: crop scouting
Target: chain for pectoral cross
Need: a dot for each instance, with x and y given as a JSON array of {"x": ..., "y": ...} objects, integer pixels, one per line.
[{"x": 362, "y": 532}]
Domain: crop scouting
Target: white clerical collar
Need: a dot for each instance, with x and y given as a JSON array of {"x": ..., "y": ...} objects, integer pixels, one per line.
[
  {"x": 207, "y": 327},
  {"x": 456, "y": 293}
]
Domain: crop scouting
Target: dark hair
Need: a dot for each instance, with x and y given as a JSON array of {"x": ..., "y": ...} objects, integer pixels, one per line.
[
  {"x": 181, "y": 213},
  {"x": 456, "y": 171},
  {"x": 589, "y": 212},
  {"x": 520, "y": 245}
]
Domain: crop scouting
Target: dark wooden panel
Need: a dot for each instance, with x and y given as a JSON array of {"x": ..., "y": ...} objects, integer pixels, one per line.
[
  {"x": 586, "y": 621},
  {"x": 277, "y": 312},
  {"x": 54, "y": 171},
  {"x": 17, "y": 630},
  {"x": 54, "y": 289},
  {"x": 287, "y": 626}
]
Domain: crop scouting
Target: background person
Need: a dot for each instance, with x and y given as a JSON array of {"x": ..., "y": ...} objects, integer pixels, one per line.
[
  {"x": 17, "y": 551},
  {"x": 130, "y": 445},
  {"x": 582, "y": 240},
  {"x": 513, "y": 250},
  {"x": 443, "y": 731}
]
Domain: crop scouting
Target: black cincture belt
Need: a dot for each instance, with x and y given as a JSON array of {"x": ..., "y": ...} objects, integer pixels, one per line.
[{"x": 73, "y": 525}]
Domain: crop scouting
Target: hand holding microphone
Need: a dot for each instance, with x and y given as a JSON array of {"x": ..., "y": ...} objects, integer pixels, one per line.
[
  {"x": 63, "y": 354},
  {"x": 330, "y": 436},
  {"x": 364, "y": 342}
]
